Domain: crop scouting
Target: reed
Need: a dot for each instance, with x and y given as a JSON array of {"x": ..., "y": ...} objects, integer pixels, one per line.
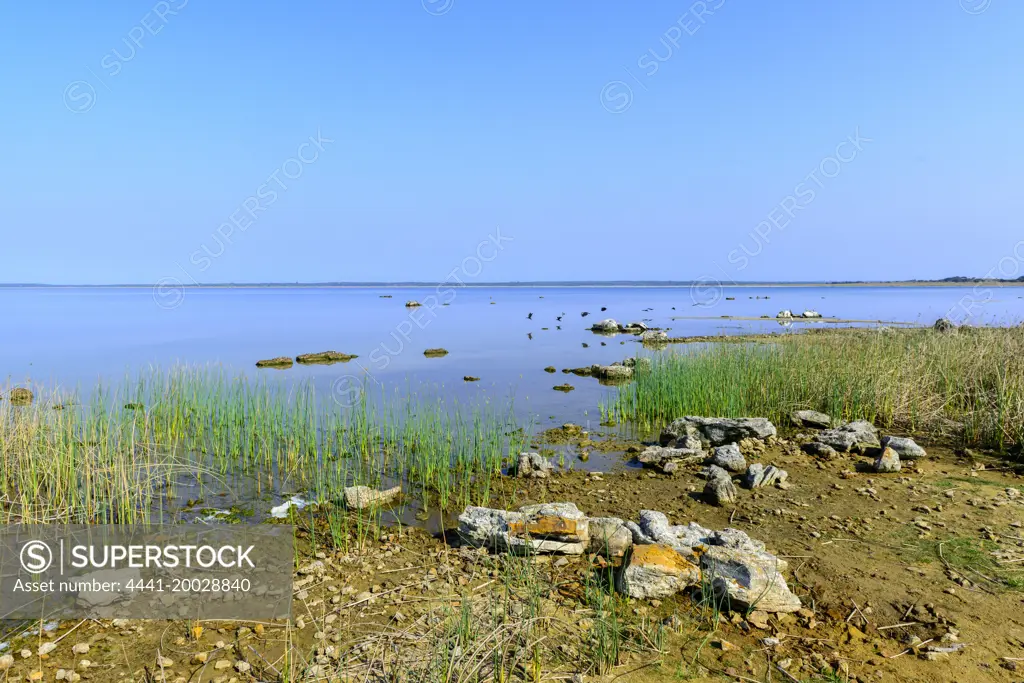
[
  {"x": 966, "y": 386},
  {"x": 118, "y": 456}
]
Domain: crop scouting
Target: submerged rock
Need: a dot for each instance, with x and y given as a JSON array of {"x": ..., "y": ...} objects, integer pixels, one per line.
[
  {"x": 470, "y": 378},
  {"x": 729, "y": 458},
  {"x": 745, "y": 581},
  {"x": 533, "y": 466},
  {"x": 759, "y": 476},
  {"x": 656, "y": 571},
  {"x": 20, "y": 396},
  {"x": 324, "y": 358},
  {"x": 811, "y": 418},
  {"x": 550, "y": 368},
  {"x": 719, "y": 489},
  {"x": 610, "y": 537},
  {"x": 363, "y": 497},
  {"x": 565, "y": 388},
  {"x": 888, "y": 461},
  {"x": 719, "y": 430},
  {"x": 279, "y": 362},
  {"x": 435, "y": 353},
  {"x": 905, "y": 446}
]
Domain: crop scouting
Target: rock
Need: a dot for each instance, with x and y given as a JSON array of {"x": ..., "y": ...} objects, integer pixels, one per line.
[
  {"x": 810, "y": 314},
  {"x": 888, "y": 461},
  {"x": 363, "y": 497},
  {"x": 654, "y": 337},
  {"x": 613, "y": 372},
  {"x": 80, "y": 648},
  {"x": 20, "y": 396},
  {"x": 852, "y": 436},
  {"x": 550, "y": 368},
  {"x": 719, "y": 490},
  {"x": 606, "y": 325},
  {"x": 729, "y": 458},
  {"x": 412, "y": 304},
  {"x": 656, "y": 571},
  {"x": 546, "y": 528},
  {"x": 943, "y": 325},
  {"x": 905, "y": 446},
  {"x": 747, "y": 581},
  {"x": 47, "y": 648},
  {"x": 785, "y": 314},
  {"x": 470, "y": 378},
  {"x": 720, "y": 430},
  {"x": 533, "y": 466},
  {"x": 759, "y": 476},
  {"x": 279, "y": 362},
  {"x": 639, "y": 536},
  {"x": 662, "y": 457},
  {"x": 821, "y": 450},
  {"x": 609, "y": 536},
  {"x": 564, "y": 388},
  {"x": 435, "y": 353},
  {"x": 324, "y": 358},
  {"x": 811, "y": 418},
  {"x": 6, "y": 662},
  {"x": 635, "y": 362}
]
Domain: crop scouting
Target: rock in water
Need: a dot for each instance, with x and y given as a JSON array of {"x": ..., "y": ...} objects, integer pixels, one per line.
[
  {"x": 610, "y": 537},
  {"x": 810, "y": 314},
  {"x": 785, "y": 314},
  {"x": 280, "y": 362},
  {"x": 656, "y": 571},
  {"x": 759, "y": 476},
  {"x": 20, "y": 396},
  {"x": 905, "y": 446},
  {"x": 888, "y": 461},
  {"x": 612, "y": 372},
  {"x": 654, "y": 337},
  {"x": 729, "y": 458},
  {"x": 720, "y": 430},
  {"x": 547, "y": 528},
  {"x": 606, "y": 325},
  {"x": 743, "y": 580},
  {"x": 811, "y": 418},
  {"x": 533, "y": 466},
  {"x": 362, "y": 497},
  {"x": 719, "y": 490}
]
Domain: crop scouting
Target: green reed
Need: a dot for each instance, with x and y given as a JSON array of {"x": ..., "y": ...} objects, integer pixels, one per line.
[
  {"x": 110, "y": 458},
  {"x": 967, "y": 385}
]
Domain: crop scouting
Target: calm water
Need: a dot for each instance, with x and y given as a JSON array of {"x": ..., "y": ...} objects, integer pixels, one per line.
[{"x": 74, "y": 337}]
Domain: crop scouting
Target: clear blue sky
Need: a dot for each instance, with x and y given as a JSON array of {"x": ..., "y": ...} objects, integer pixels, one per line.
[{"x": 454, "y": 118}]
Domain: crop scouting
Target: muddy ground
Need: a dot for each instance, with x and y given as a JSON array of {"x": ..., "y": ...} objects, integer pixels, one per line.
[{"x": 888, "y": 567}]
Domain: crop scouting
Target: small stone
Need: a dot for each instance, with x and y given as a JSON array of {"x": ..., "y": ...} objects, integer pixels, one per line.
[
  {"x": 242, "y": 667},
  {"x": 47, "y": 648},
  {"x": 729, "y": 458},
  {"x": 80, "y": 648},
  {"x": 6, "y": 662},
  {"x": 888, "y": 461},
  {"x": 222, "y": 664}
]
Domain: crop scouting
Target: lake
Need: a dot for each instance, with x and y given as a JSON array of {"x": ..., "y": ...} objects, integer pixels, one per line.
[{"x": 76, "y": 337}]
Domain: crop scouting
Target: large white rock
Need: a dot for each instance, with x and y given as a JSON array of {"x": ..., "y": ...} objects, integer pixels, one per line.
[
  {"x": 747, "y": 581},
  {"x": 720, "y": 430},
  {"x": 546, "y": 528},
  {"x": 657, "y": 571}
]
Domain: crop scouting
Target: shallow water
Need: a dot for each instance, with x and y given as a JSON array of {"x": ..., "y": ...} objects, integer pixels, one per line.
[{"x": 74, "y": 337}]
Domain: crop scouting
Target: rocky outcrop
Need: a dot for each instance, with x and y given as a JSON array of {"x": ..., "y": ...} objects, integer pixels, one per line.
[
  {"x": 888, "y": 461},
  {"x": 719, "y": 489},
  {"x": 906, "y": 447},
  {"x": 547, "y": 528},
  {"x": 811, "y": 419},
  {"x": 533, "y": 466},
  {"x": 729, "y": 458},
  {"x": 759, "y": 476},
  {"x": 656, "y": 571},
  {"x": 363, "y": 497},
  {"x": 719, "y": 430}
]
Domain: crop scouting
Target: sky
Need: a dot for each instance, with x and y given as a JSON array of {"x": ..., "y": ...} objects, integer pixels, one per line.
[{"x": 733, "y": 140}]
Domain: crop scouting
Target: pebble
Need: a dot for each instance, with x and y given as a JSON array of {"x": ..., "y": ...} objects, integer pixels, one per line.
[{"x": 80, "y": 648}]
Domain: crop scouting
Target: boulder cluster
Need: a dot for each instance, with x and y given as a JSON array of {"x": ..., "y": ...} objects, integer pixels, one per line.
[{"x": 655, "y": 559}]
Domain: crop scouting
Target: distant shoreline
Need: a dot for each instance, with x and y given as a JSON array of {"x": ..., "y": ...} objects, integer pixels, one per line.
[{"x": 533, "y": 285}]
